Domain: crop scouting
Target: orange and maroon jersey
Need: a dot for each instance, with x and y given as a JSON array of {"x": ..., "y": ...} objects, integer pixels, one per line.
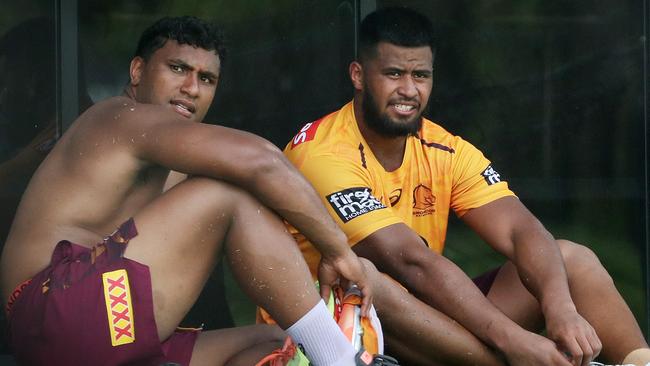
[{"x": 439, "y": 171}]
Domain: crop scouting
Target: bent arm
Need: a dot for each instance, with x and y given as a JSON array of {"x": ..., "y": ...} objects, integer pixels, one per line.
[
  {"x": 247, "y": 161},
  {"x": 399, "y": 252},
  {"x": 513, "y": 231},
  {"x": 159, "y": 137}
]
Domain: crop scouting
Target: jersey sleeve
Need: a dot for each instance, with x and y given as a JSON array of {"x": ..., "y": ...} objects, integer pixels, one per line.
[
  {"x": 347, "y": 190},
  {"x": 474, "y": 181}
]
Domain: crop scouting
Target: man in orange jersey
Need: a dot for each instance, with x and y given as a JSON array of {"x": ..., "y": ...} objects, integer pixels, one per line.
[{"x": 389, "y": 178}]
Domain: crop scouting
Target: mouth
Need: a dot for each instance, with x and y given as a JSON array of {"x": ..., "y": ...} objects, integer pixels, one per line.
[
  {"x": 183, "y": 107},
  {"x": 405, "y": 109}
]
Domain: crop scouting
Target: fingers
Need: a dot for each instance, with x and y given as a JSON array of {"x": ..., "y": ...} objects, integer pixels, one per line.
[
  {"x": 369, "y": 271},
  {"x": 576, "y": 337},
  {"x": 327, "y": 277},
  {"x": 574, "y": 351},
  {"x": 580, "y": 351},
  {"x": 366, "y": 301},
  {"x": 559, "y": 357},
  {"x": 595, "y": 343},
  {"x": 325, "y": 292},
  {"x": 350, "y": 270}
]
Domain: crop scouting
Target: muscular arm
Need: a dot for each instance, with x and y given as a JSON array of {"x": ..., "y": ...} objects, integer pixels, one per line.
[
  {"x": 155, "y": 135},
  {"x": 400, "y": 252},
  {"x": 514, "y": 232}
]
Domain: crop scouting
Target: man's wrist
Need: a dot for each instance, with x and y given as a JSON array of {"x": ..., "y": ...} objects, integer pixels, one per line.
[
  {"x": 501, "y": 335},
  {"x": 556, "y": 304}
]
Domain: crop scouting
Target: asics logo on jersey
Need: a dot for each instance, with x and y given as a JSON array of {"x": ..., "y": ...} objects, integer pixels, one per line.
[
  {"x": 353, "y": 202},
  {"x": 491, "y": 176},
  {"x": 394, "y": 196}
]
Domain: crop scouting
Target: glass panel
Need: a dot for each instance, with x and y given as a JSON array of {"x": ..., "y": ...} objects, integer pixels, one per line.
[
  {"x": 27, "y": 104},
  {"x": 552, "y": 93},
  {"x": 286, "y": 65},
  {"x": 27, "y": 99}
]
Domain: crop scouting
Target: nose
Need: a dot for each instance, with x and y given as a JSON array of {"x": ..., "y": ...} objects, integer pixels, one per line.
[
  {"x": 190, "y": 85},
  {"x": 407, "y": 87}
]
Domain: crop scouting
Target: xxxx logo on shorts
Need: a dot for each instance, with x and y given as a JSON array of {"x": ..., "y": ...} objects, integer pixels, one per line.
[{"x": 117, "y": 295}]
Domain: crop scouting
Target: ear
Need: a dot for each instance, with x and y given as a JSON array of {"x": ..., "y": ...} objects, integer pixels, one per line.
[
  {"x": 356, "y": 75},
  {"x": 135, "y": 70}
]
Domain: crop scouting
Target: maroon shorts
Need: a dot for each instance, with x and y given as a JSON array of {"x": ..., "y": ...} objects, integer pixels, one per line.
[
  {"x": 92, "y": 307},
  {"x": 484, "y": 282}
]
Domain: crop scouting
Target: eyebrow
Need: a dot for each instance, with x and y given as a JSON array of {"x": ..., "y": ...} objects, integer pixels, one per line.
[
  {"x": 185, "y": 65},
  {"x": 401, "y": 69}
]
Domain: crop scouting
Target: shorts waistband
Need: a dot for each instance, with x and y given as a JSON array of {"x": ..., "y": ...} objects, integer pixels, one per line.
[{"x": 111, "y": 248}]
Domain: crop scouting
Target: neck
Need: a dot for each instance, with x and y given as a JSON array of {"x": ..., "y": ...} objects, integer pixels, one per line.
[
  {"x": 389, "y": 150},
  {"x": 129, "y": 92}
]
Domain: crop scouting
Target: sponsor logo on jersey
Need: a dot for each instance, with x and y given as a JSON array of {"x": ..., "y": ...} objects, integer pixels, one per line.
[
  {"x": 394, "y": 196},
  {"x": 354, "y": 202},
  {"x": 117, "y": 295},
  {"x": 491, "y": 176},
  {"x": 306, "y": 133},
  {"x": 424, "y": 201}
]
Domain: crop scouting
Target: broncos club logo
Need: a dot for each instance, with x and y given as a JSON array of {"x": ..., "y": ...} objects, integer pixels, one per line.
[{"x": 424, "y": 201}]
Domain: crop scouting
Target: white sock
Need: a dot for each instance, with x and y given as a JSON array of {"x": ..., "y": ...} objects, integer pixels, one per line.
[{"x": 321, "y": 338}]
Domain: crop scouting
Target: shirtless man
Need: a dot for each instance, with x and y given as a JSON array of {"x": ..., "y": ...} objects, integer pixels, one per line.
[{"x": 88, "y": 297}]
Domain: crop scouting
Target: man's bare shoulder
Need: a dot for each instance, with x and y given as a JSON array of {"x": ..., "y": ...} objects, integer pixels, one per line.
[
  {"x": 122, "y": 122},
  {"x": 120, "y": 110}
]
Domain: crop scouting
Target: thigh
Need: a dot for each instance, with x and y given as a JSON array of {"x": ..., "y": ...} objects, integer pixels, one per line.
[
  {"x": 236, "y": 346},
  {"x": 510, "y": 296},
  {"x": 180, "y": 235}
]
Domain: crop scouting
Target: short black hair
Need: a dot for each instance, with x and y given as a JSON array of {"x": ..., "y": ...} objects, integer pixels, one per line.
[
  {"x": 184, "y": 30},
  {"x": 396, "y": 25}
]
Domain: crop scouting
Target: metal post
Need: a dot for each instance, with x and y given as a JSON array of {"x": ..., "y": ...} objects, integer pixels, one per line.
[
  {"x": 646, "y": 90},
  {"x": 67, "y": 53},
  {"x": 361, "y": 9}
]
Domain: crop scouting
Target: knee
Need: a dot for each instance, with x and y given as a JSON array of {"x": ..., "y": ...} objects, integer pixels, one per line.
[{"x": 578, "y": 257}]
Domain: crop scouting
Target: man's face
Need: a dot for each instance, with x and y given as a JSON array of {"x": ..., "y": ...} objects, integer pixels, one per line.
[
  {"x": 179, "y": 76},
  {"x": 395, "y": 87}
]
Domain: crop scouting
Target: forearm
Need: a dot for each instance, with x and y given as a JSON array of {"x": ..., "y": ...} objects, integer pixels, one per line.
[
  {"x": 282, "y": 188},
  {"x": 514, "y": 232},
  {"x": 245, "y": 160},
  {"x": 454, "y": 294},
  {"x": 541, "y": 268}
]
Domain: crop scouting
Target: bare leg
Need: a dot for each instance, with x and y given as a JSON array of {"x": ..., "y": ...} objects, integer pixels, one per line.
[
  {"x": 417, "y": 334},
  {"x": 183, "y": 232},
  {"x": 593, "y": 292},
  {"x": 236, "y": 346}
]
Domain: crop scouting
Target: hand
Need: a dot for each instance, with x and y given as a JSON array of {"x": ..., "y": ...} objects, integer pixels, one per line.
[
  {"x": 574, "y": 336},
  {"x": 530, "y": 349},
  {"x": 351, "y": 269}
]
